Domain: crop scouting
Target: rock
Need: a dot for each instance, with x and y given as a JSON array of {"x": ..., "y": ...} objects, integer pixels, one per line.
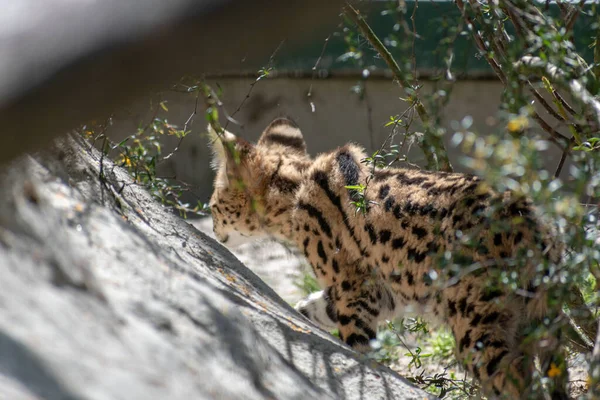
[{"x": 107, "y": 295}]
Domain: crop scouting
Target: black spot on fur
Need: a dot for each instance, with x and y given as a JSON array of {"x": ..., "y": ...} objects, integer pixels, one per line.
[
  {"x": 477, "y": 374},
  {"x": 462, "y": 305},
  {"x": 348, "y": 167},
  {"x": 295, "y": 142},
  {"x": 355, "y": 340},
  {"x": 397, "y": 211},
  {"x": 284, "y": 185},
  {"x": 318, "y": 215},
  {"x": 497, "y": 344},
  {"x": 406, "y": 180},
  {"x": 279, "y": 212},
  {"x": 476, "y": 319},
  {"x": 497, "y": 239},
  {"x": 419, "y": 232},
  {"x": 410, "y": 278},
  {"x": 416, "y": 256},
  {"x": 396, "y": 277},
  {"x": 411, "y": 208},
  {"x": 451, "y": 308},
  {"x": 432, "y": 247},
  {"x": 490, "y": 294},
  {"x": 492, "y": 365},
  {"x": 384, "y": 236},
  {"x": 456, "y": 219},
  {"x": 465, "y": 341},
  {"x": 389, "y": 203},
  {"x": 346, "y": 286},
  {"x": 336, "y": 267},
  {"x": 370, "y": 332},
  {"x": 490, "y": 318},
  {"x": 330, "y": 310},
  {"x": 518, "y": 238},
  {"x": 321, "y": 252},
  {"x": 344, "y": 319},
  {"x": 385, "y": 259},
  {"x": 371, "y": 231},
  {"x": 428, "y": 209},
  {"x": 384, "y": 191},
  {"x": 517, "y": 210},
  {"x": 398, "y": 243},
  {"x": 321, "y": 179},
  {"x": 365, "y": 306},
  {"x": 435, "y": 191}
]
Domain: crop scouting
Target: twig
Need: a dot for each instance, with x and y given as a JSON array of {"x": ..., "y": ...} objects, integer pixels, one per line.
[
  {"x": 431, "y": 142},
  {"x": 564, "y": 103},
  {"x": 481, "y": 43},
  {"x": 269, "y": 64},
  {"x": 555, "y": 136},
  {"x": 596, "y": 69},
  {"x": 545, "y": 104},
  {"x": 572, "y": 16},
  {"x": 185, "y": 126},
  {"x": 536, "y": 66},
  {"x": 561, "y": 163},
  {"x": 314, "y": 73},
  {"x": 414, "y": 38}
]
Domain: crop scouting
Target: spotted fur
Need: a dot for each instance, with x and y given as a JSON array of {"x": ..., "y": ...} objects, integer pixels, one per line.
[{"x": 430, "y": 242}]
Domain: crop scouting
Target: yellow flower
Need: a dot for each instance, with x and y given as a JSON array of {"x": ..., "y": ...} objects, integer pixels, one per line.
[
  {"x": 518, "y": 124},
  {"x": 554, "y": 371},
  {"x": 125, "y": 160}
]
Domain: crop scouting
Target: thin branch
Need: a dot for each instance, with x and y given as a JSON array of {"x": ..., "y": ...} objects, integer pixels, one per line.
[
  {"x": 432, "y": 145},
  {"x": 572, "y": 15},
  {"x": 414, "y": 38},
  {"x": 497, "y": 46},
  {"x": 545, "y": 104},
  {"x": 314, "y": 73},
  {"x": 260, "y": 76},
  {"x": 536, "y": 66},
  {"x": 596, "y": 69},
  {"x": 481, "y": 43},
  {"x": 564, "y": 103},
  {"x": 561, "y": 163},
  {"x": 185, "y": 126},
  {"x": 555, "y": 136}
]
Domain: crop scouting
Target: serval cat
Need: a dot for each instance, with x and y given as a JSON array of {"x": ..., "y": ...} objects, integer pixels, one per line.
[{"x": 428, "y": 241}]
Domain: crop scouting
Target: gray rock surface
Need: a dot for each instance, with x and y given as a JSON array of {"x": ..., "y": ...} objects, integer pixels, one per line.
[{"x": 107, "y": 295}]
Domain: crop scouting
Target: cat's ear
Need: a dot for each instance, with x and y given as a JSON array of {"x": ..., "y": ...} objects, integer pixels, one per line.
[
  {"x": 228, "y": 149},
  {"x": 284, "y": 134}
]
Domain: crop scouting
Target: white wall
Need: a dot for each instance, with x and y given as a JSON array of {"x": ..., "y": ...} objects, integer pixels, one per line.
[{"x": 339, "y": 116}]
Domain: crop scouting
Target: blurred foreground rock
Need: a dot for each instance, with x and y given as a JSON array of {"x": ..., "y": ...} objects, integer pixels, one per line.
[{"x": 107, "y": 295}]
